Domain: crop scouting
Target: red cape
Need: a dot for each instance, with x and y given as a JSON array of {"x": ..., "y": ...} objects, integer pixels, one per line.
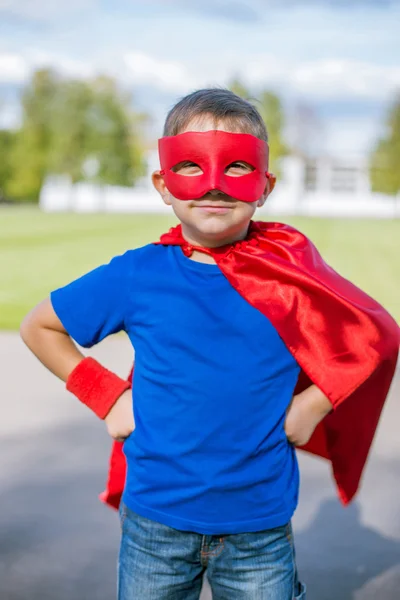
[{"x": 343, "y": 340}]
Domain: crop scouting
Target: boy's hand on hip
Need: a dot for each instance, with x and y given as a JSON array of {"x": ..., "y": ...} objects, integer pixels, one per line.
[
  {"x": 304, "y": 413},
  {"x": 119, "y": 421}
]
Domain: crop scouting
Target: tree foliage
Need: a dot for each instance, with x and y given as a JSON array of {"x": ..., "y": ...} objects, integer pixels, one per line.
[
  {"x": 6, "y": 145},
  {"x": 385, "y": 158},
  {"x": 30, "y": 153},
  {"x": 68, "y": 124},
  {"x": 270, "y": 107}
]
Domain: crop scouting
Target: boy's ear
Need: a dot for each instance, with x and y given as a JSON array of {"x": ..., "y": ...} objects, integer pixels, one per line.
[
  {"x": 159, "y": 184},
  {"x": 268, "y": 189},
  {"x": 270, "y": 184}
]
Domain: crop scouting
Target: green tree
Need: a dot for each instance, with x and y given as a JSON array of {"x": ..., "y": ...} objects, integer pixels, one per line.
[
  {"x": 270, "y": 107},
  {"x": 272, "y": 113},
  {"x": 112, "y": 139},
  {"x": 33, "y": 140},
  {"x": 237, "y": 87},
  {"x": 69, "y": 123},
  {"x": 6, "y": 145},
  {"x": 385, "y": 161},
  {"x": 70, "y": 129},
  {"x": 95, "y": 122}
]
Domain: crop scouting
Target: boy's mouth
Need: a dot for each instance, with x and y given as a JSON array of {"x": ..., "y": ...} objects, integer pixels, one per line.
[{"x": 214, "y": 208}]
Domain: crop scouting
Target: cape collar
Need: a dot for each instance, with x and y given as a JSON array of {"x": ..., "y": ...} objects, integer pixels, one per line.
[{"x": 174, "y": 237}]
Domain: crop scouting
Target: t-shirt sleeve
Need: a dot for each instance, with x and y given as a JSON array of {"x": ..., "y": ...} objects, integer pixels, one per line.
[{"x": 96, "y": 304}]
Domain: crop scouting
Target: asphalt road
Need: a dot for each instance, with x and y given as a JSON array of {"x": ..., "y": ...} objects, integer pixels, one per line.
[{"x": 58, "y": 542}]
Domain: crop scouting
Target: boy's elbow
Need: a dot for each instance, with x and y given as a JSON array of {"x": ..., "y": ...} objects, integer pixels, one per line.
[
  {"x": 38, "y": 320},
  {"x": 22, "y": 329},
  {"x": 28, "y": 327}
]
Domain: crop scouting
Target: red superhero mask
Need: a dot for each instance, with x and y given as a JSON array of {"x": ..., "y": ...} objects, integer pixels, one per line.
[{"x": 213, "y": 151}]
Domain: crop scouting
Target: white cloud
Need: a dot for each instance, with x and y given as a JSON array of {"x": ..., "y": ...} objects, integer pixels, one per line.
[
  {"x": 330, "y": 79},
  {"x": 65, "y": 65},
  {"x": 338, "y": 78},
  {"x": 324, "y": 79},
  {"x": 16, "y": 68},
  {"x": 13, "y": 68},
  {"x": 168, "y": 75}
]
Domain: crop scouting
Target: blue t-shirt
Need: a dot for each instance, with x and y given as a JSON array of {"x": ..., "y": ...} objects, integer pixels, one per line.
[{"x": 212, "y": 384}]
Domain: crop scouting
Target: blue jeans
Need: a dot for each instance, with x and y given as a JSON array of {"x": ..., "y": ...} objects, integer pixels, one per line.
[{"x": 157, "y": 562}]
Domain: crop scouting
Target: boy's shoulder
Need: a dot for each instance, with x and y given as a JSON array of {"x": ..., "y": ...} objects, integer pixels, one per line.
[
  {"x": 140, "y": 253},
  {"x": 135, "y": 259}
]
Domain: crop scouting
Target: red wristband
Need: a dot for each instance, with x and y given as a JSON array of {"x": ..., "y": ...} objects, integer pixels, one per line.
[{"x": 96, "y": 386}]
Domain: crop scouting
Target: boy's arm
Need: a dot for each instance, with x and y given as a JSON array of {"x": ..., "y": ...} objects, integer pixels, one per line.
[
  {"x": 44, "y": 334},
  {"x": 104, "y": 392},
  {"x": 305, "y": 412}
]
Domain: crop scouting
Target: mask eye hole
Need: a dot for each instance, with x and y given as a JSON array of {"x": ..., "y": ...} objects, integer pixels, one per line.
[
  {"x": 187, "y": 168},
  {"x": 238, "y": 169}
]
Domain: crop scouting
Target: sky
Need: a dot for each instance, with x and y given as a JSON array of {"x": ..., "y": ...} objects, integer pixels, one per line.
[{"x": 336, "y": 60}]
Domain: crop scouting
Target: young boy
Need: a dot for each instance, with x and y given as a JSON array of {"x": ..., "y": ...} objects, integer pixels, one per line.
[{"x": 212, "y": 479}]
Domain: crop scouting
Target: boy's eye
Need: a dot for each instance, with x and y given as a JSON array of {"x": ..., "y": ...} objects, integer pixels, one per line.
[
  {"x": 234, "y": 169},
  {"x": 238, "y": 168},
  {"x": 187, "y": 168}
]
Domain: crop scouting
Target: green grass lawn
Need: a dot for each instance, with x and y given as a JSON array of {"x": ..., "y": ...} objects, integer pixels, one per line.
[{"x": 39, "y": 252}]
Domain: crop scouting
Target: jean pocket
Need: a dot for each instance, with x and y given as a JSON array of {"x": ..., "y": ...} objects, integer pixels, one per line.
[{"x": 301, "y": 592}]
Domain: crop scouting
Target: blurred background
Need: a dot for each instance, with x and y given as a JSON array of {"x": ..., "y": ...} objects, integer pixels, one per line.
[{"x": 84, "y": 90}]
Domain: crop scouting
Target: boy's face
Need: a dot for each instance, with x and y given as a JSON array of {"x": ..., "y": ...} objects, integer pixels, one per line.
[{"x": 215, "y": 218}]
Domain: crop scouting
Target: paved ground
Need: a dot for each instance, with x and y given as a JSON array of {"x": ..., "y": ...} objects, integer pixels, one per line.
[{"x": 57, "y": 542}]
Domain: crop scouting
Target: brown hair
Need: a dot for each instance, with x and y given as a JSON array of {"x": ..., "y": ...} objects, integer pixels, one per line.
[{"x": 222, "y": 105}]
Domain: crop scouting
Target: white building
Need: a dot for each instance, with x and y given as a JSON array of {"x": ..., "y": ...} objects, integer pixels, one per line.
[{"x": 321, "y": 187}]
